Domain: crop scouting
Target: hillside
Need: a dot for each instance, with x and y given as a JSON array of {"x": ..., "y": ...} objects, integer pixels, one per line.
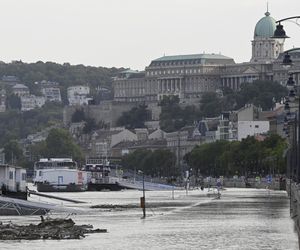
[
  {"x": 15, "y": 124},
  {"x": 65, "y": 74}
]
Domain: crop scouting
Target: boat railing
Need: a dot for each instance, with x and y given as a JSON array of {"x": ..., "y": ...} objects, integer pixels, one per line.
[{"x": 54, "y": 167}]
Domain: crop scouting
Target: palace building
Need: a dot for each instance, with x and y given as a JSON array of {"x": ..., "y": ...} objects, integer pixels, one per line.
[{"x": 189, "y": 76}]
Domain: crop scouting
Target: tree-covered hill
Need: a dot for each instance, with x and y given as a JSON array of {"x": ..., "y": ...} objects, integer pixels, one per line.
[
  {"x": 15, "y": 125},
  {"x": 65, "y": 74}
]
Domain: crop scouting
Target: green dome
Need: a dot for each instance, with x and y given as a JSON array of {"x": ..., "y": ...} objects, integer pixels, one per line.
[{"x": 265, "y": 27}]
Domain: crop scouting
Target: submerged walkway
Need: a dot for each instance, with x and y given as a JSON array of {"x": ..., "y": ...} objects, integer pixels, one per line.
[{"x": 241, "y": 219}]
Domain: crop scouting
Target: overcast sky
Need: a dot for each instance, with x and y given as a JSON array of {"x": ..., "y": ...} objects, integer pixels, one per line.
[{"x": 131, "y": 33}]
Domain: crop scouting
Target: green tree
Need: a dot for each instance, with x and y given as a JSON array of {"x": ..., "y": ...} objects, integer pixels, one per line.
[
  {"x": 248, "y": 157},
  {"x": 78, "y": 116},
  {"x": 91, "y": 125},
  {"x": 15, "y": 124},
  {"x": 260, "y": 93},
  {"x": 160, "y": 163},
  {"x": 13, "y": 102},
  {"x": 135, "y": 118},
  {"x": 173, "y": 117},
  {"x": 210, "y": 105},
  {"x": 59, "y": 143},
  {"x": 13, "y": 152}
]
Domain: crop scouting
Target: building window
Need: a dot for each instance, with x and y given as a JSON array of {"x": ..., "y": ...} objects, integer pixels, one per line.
[
  {"x": 256, "y": 126},
  {"x": 23, "y": 176},
  {"x": 11, "y": 175}
]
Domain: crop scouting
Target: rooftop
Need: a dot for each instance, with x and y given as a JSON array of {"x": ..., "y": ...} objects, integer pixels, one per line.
[{"x": 191, "y": 57}]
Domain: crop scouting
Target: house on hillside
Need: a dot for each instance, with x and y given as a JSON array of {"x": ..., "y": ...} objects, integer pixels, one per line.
[
  {"x": 102, "y": 141},
  {"x": 29, "y": 102},
  {"x": 127, "y": 147},
  {"x": 20, "y": 90},
  {"x": 250, "y": 123},
  {"x": 51, "y": 93},
  {"x": 10, "y": 80},
  {"x": 78, "y": 95}
]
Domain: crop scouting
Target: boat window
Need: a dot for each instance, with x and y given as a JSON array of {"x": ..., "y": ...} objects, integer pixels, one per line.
[{"x": 11, "y": 175}]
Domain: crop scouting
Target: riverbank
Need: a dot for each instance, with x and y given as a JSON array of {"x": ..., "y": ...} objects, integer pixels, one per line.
[
  {"x": 243, "y": 219},
  {"x": 293, "y": 191}
]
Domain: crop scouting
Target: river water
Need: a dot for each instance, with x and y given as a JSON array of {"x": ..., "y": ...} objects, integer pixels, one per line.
[{"x": 241, "y": 219}]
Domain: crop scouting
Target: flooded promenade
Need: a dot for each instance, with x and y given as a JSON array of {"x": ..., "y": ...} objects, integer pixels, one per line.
[{"x": 241, "y": 219}]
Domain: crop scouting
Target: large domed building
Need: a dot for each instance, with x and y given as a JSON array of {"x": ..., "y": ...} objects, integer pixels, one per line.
[
  {"x": 264, "y": 47},
  {"x": 189, "y": 76},
  {"x": 265, "y": 27}
]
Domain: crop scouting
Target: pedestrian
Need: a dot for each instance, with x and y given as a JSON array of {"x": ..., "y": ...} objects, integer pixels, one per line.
[{"x": 219, "y": 185}]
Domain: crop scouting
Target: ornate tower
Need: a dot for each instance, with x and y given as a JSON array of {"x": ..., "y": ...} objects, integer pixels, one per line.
[{"x": 264, "y": 47}]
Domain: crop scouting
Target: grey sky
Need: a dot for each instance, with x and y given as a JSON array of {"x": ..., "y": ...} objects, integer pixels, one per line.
[{"x": 130, "y": 33}]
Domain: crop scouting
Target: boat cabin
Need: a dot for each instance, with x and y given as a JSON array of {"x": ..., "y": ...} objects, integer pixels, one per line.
[{"x": 13, "y": 181}]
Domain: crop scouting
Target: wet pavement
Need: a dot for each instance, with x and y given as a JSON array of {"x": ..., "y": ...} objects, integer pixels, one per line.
[{"x": 241, "y": 219}]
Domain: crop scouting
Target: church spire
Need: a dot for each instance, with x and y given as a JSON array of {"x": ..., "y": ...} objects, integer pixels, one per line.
[{"x": 267, "y": 13}]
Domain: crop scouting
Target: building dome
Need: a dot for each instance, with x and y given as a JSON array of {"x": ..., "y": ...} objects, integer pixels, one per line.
[{"x": 265, "y": 27}]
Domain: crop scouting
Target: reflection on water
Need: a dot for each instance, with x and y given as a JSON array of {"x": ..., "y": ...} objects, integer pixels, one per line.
[{"x": 241, "y": 219}]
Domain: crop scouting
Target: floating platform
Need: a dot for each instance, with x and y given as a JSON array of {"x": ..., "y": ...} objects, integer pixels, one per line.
[
  {"x": 104, "y": 186},
  {"x": 46, "y": 187},
  {"x": 11, "y": 206},
  {"x": 149, "y": 186}
]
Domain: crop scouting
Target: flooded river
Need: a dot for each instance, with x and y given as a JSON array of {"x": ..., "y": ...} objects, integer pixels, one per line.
[{"x": 241, "y": 219}]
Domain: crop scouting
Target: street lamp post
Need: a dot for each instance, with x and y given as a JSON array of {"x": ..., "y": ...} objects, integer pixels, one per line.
[
  {"x": 287, "y": 62},
  {"x": 292, "y": 128},
  {"x": 292, "y": 122},
  {"x": 143, "y": 198}
]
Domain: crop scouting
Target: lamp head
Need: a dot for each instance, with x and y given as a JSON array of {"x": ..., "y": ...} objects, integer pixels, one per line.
[
  {"x": 287, "y": 61},
  {"x": 279, "y": 33},
  {"x": 290, "y": 84},
  {"x": 286, "y": 107},
  {"x": 292, "y": 95}
]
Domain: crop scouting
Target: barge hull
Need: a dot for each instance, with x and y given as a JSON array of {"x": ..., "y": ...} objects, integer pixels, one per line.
[
  {"x": 104, "y": 186},
  {"x": 45, "y": 187}
]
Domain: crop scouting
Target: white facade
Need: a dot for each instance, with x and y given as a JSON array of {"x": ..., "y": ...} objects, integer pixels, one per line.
[
  {"x": 77, "y": 95},
  {"x": 52, "y": 94},
  {"x": 32, "y": 102},
  {"x": 20, "y": 90},
  {"x": 266, "y": 49},
  {"x": 251, "y": 128},
  {"x": 101, "y": 149},
  {"x": 13, "y": 178},
  {"x": 61, "y": 176}
]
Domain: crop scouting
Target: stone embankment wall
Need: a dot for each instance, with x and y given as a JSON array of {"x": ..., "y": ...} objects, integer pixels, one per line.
[
  {"x": 294, "y": 193},
  {"x": 108, "y": 111},
  {"x": 249, "y": 183}
]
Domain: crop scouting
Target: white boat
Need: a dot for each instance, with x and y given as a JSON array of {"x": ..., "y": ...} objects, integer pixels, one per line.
[
  {"x": 102, "y": 175},
  {"x": 59, "y": 175}
]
